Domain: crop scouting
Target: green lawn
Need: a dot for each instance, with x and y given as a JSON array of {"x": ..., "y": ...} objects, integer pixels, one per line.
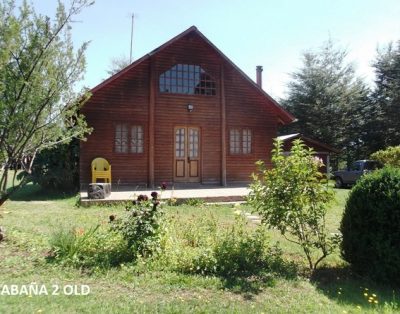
[{"x": 31, "y": 217}]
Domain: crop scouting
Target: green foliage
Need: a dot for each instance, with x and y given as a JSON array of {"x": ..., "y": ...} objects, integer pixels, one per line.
[
  {"x": 142, "y": 226},
  {"x": 57, "y": 168},
  {"x": 384, "y": 126},
  {"x": 242, "y": 252},
  {"x": 389, "y": 156},
  {"x": 293, "y": 198},
  {"x": 172, "y": 201},
  {"x": 163, "y": 290},
  {"x": 194, "y": 202},
  {"x": 328, "y": 100},
  {"x": 370, "y": 226},
  {"x": 39, "y": 107},
  {"x": 136, "y": 234},
  {"x": 200, "y": 247},
  {"x": 92, "y": 248}
]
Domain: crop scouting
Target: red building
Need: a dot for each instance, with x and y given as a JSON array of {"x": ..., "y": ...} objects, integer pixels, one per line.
[{"x": 182, "y": 113}]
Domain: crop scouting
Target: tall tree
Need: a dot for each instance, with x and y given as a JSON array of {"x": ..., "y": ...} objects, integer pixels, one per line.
[
  {"x": 385, "y": 119},
  {"x": 328, "y": 100},
  {"x": 38, "y": 70}
]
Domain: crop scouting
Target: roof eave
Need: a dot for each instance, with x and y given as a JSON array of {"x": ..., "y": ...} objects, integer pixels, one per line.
[{"x": 284, "y": 116}]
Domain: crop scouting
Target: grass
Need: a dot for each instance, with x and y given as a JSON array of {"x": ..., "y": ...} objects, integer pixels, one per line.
[{"x": 32, "y": 216}]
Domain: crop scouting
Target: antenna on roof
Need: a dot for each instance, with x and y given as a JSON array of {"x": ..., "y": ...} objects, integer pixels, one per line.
[{"x": 130, "y": 55}]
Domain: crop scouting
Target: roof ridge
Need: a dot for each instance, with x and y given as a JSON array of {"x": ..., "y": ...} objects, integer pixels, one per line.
[{"x": 284, "y": 115}]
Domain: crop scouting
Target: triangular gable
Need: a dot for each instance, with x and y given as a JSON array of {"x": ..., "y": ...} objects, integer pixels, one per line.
[{"x": 284, "y": 116}]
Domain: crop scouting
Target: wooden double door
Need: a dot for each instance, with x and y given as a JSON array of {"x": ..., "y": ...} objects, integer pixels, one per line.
[{"x": 187, "y": 154}]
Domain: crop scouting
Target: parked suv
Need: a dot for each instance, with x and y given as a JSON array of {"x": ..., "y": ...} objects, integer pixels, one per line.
[{"x": 354, "y": 172}]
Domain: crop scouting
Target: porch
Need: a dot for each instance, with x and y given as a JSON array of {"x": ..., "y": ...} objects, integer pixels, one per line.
[{"x": 207, "y": 193}]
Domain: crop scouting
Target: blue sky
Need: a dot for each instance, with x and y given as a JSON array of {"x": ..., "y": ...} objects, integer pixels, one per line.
[{"x": 273, "y": 34}]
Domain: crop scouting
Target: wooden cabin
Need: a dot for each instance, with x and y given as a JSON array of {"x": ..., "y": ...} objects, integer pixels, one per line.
[{"x": 182, "y": 113}]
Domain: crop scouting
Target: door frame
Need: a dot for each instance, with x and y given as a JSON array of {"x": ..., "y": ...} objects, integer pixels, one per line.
[{"x": 187, "y": 178}]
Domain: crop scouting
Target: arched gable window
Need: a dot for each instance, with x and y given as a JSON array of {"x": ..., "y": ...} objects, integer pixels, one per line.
[{"x": 187, "y": 79}]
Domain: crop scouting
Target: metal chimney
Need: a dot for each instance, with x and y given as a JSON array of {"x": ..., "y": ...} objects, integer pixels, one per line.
[{"x": 259, "y": 70}]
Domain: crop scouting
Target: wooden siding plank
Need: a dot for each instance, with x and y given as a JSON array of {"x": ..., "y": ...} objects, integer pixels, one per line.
[{"x": 134, "y": 98}]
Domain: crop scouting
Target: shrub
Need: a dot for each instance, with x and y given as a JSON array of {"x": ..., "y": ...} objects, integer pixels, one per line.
[
  {"x": 92, "y": 248},
  {"x": 292, "y": 198},
  {"x": 136, "y": 234},
  {"x": 370, "y": 226},
  {"x": 186, "y": 244},
  {"x": 199, "y": 246},
  {"x": 389, "y": 156},
  {"x": 141, "y": 228},
  {"x": 57, "y": 168},
  {"x": 242, "y": 252}
]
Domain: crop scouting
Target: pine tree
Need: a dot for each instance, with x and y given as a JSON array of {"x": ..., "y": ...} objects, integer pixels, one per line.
[
  {"x": 328, "y": 100},
  {"x": 385, "y": 119}
]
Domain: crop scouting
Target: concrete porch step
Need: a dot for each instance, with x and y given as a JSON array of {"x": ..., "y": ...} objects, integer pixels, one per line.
[{"x": 214, "y": 194}]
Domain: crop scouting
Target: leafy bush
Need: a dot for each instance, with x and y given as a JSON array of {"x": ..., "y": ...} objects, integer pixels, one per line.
[
  {"x": 370, "y": 226},
  {"x": 57, "y": 168},
  {"x": 138, "y": 233},
  {"x": 293, "y": 198},
  {"x": 200, "y": 247},
  {"x": 242, "y": 252},
  {"x": 389, "y": 156},
  {"x": 92, "y": 248},
  {"x": 141, "y": 228},
  {"x": 186, "y": 245}
]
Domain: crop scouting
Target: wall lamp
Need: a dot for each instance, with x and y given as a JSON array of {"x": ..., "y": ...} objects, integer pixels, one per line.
[{"x": 190, "y": 107}]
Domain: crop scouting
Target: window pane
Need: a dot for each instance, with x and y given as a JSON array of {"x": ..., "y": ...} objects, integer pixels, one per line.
[
  {"x": 187, "y": 79},
  {"x": 234, "y": 142},
  {"x": 246, "y": 141},
  {"x": 137, "y": 139},
  {"x": 180, "y": 142},
  {"x": 121, "y": 138},
  {"x": 193, "y": 143}
]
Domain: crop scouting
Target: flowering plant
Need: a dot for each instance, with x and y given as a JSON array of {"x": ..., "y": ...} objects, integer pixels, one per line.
[{"x": 141, "y": 227}]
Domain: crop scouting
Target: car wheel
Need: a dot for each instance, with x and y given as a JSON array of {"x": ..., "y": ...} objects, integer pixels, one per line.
[{"x": 338, "y": 183}]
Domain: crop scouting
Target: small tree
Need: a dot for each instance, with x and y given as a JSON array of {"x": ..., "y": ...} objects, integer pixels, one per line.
[
  {"x": 39, "y": 107},
  {"x": 293, "y": 198}
]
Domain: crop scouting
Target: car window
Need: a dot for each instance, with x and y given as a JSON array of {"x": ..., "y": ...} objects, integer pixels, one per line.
[{"x": 356, "y": 166}]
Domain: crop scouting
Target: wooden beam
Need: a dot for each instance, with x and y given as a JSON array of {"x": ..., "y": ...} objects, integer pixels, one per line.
[
  {"x": 223, "y": 128},
  {"x": 152, "y": 91}
]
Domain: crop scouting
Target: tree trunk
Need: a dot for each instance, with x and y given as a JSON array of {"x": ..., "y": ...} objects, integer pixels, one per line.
[{"x": 4, "y": 198}]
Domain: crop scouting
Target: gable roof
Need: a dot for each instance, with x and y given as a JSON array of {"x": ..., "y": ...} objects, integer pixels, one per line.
[
  {"x": 283, "y": 115},
  {"x": 294, "y": 136}
]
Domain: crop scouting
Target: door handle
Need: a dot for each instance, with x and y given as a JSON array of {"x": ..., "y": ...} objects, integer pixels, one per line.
[{"x": 188, "y": 159}]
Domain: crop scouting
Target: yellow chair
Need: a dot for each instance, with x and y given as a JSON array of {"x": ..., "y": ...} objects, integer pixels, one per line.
[{"x": 101, "y": 169}]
